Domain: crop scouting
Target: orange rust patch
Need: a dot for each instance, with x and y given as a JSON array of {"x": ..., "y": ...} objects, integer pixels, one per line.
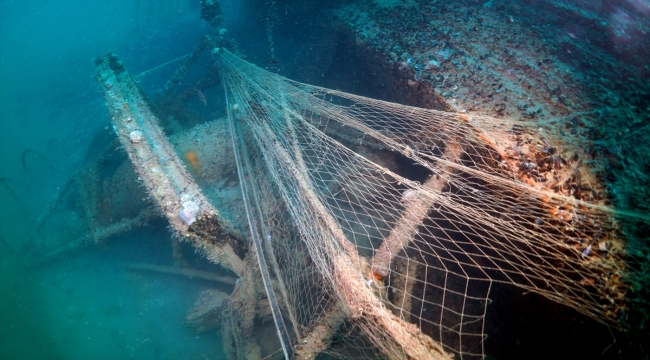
[
  {"x": 487, "y": 141},
  {"x": 586, "y": 282},
  {"x": 377, "y": 276},
  {"x": 564, "y": 215},
  {"x": 191, "y": 158}
]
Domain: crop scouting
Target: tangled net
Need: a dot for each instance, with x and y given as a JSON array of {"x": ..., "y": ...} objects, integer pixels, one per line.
[{"x": 385, "y": 225}]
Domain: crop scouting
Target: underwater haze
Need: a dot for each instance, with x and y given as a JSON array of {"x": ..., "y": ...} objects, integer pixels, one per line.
[
  {"x": 53, "y": 120},
  {"x": 71, "y": 285}
]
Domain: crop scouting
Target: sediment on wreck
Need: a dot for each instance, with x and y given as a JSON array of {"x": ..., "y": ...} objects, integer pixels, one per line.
[
  {"x": 539, "y": 186},
  {"x": 160, "y": 168}
]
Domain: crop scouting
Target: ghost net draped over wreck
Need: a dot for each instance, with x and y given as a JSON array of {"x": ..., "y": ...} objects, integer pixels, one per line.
[
  {"x": 369, "y": 256},
  {"x": 383, "y": 225}
]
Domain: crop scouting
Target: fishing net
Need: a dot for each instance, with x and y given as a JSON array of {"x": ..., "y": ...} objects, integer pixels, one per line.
[
  {"x": 384, "y": 226},
  {"x": 378, "y": 228}
]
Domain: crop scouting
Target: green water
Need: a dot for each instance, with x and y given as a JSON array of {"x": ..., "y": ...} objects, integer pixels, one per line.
[
  {"x": 53, "y": 121},
  {"x": 85, "y": 306}
]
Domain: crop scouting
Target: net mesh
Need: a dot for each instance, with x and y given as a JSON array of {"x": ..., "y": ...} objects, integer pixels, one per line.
[{"x": 385, "y": 225}]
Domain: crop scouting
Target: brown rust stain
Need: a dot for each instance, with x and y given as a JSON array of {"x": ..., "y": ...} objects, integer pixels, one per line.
[{"x": 193, "y": 160}]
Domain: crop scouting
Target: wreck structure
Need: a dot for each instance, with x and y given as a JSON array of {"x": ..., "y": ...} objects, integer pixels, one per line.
[{"x": 361, "y": 227}]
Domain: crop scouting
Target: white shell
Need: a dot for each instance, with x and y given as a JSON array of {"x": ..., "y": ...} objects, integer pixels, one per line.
[
  {"x": 189, "y": 212},
  {"x": 136, "y": 136},
  {"x": 409, "y": 195}
]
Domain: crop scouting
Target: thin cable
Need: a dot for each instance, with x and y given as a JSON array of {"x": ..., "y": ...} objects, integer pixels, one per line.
[{"x": 161, "y": 65}]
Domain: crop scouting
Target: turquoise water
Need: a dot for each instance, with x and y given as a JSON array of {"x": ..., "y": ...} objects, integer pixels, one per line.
[{"x": 83, "y": 304}]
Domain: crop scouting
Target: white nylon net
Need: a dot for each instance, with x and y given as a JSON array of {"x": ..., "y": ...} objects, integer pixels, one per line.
[{"x": 385, "y": 225}]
